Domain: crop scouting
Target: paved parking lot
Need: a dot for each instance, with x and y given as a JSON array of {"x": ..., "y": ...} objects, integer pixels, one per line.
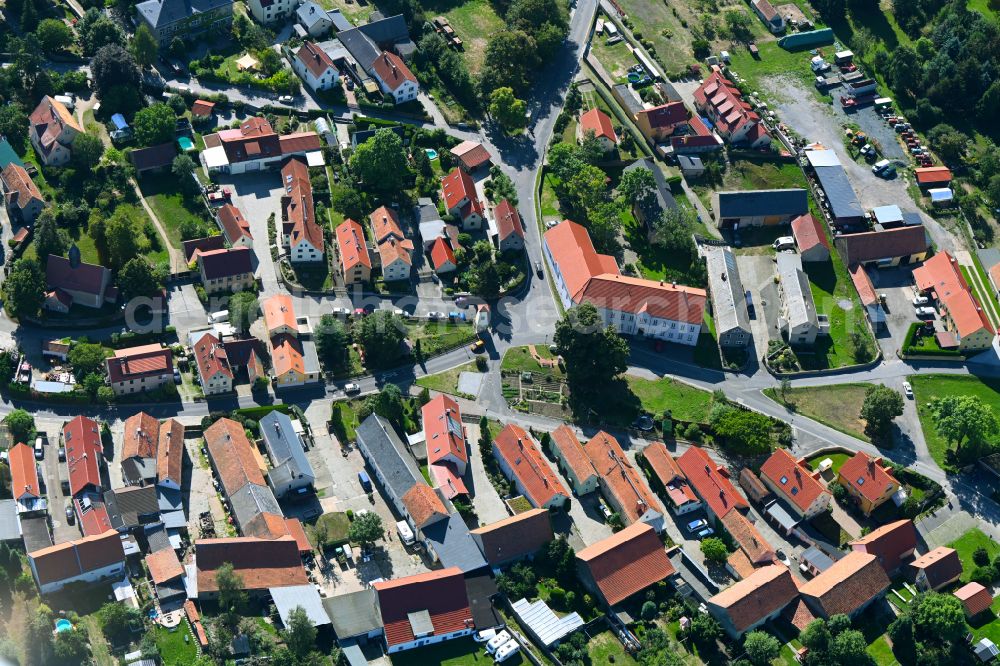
[
  {"x": 897, "y": 286},
  {"x": 257, "y": 195},
  {"x": 53, "y": 473}
]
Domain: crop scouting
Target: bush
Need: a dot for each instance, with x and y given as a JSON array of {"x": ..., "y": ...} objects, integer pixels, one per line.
[
  {"x": 981, "y": 557},
  {"x": 692, "y": 432},
  {"x": 648, "y": 611}
]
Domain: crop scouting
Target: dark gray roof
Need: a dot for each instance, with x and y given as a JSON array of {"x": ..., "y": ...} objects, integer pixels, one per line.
[
  {"x": 164, "y": 12},
  {"x": 137, "y": 470},
  {"x": 387, "y": 31},
  {"x": 625, "y": 95},
  {"x": 36, "y": 535},
  {"x": 170, "y": 589},
  {"x": 453, "y": 544},
  {"x": 754, "y": 203},
  {"x": 156, "y": 537},
  {"x": 844, "y": 202},
  {"x": 360, "y": 46},
  {"x": 387, "y": 453},
  {"x": 169, "y": 499},
  {"x": 353, "y": 614},
  {"x": 340, "y": 21},
  {"x": 480, "y": 590},
  {"x": 250, "y": 501},
  {"x": 662, "y": 198},
  {"x": 131, "y": 507},
  {"x": 10, "y": 528},
  {"x": 154, "y": 157},
  {"x": 818, "y": 558},
  {"x": 284, "y": 448},
  {"x": 426, "y": 210}
]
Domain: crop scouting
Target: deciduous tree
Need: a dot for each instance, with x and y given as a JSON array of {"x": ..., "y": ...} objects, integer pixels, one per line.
[
  {"x": 243, "y": 310},
  {"x": 53, "y": 35},
  {"x": 366, "y": 529},
  {"x": 380, "y": 162},
  {"x": 144, "y": 46},
  {"x": 21, "y": 425},
  {"x": 509, "y": 111},
  {"x": 300, "y": 636},
  {"x": 138, "y": 278},
  {"x": 22, "y": 289},
  {"x": 964, "y": 420},
  {"x": 714, "y": 550},
  {"x": 331, "y": 341},
  {"x": 87, "y": 151},
  {"x": 154, "y": 125},
  {"x": 381, "y": 336},
  {"x": 761, "y": 647},
  {"x": 594, "y": 354},
  {"x": 882, "y": 404}
]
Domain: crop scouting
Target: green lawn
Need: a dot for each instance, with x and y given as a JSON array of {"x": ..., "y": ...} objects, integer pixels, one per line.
[
  {"x": 686, "y": 403},
  {"x": 473, "y": 21},
  {"x": 671, "y": 39},
  {"x": 837, "y": 406},
  {"x": 355, "y": 12},
  {"x": 520, "y": 359},
  {"x": 881, "y": 652},
  {"x": 774, "y": 62},
  {"x": 345, "y": 420},
  {"x": 983, "y": 7},
  {"x": 928, "y": 387},
  {"x": 605, "y": 648},
  {"x": 550, "y": 203},
  {"x": 435, "y": 337},
  {"x": 336, "y": 525},
  {"x": 99, "y": 648},
  {"x": 747, "y": 174},
  {"x": 171, "y": 206},
  {"x": 838, "y": 460},
  {"x": 616, "y": 58},
  {"x": 447, "y": 381},
  {"x": 989, "y": 627},
  {"x": 457, "y": 652},
  {"x": 656, "y": 262},
  {"x": 832, "y": 290},
  {"x": 967, "y": 544},
  {"x": 176, "y": 646}
]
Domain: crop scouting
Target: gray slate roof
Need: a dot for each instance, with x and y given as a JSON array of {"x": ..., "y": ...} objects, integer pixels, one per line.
[
  {"x": 388, "y": 455},
  {"x": 164, "y": 12},
  {"x": 251, "y": 500},
  {"x": 353, "y": 614},
  {"x": 453, "y": 544},
  {"x": 10, "y": 528},
  {"x": 754, "y": 203},
  {"x": 287, "y": 598},
  {"x": 131, "y": 507},
  {"x": 387, "y": 31},
  {"x": 284, "y": 448},
  {"x": 843, "y": 201},
  {"x": 729, "y": 305},
  {"x": 360, "y": 46}
]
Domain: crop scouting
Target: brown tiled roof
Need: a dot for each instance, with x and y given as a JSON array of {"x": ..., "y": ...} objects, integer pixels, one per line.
[
  {"x": 666, "y": 115},
  {"x": 441, "y": 594},
  {"x": 471, "y": 153},
  {"x": 84, "y": 451},
  {"x": 233, "y": 223},
  {"x": 866, "y": 475},
  {"x": 196, "y": 246},
  {"x": 424, "y": 505},
  {"x": 516, "y": 536},
  {"x": 142, "y": 433},
  {"x": 154, "y": 157},
  {"x": 232, "y": 454},
  {"x": 86, "y": 278},
  {"x": 627, "y": 562},
  {"x": 297, "y": 204},
  {"x": 48, "y": 120},
  {"x": 847, "y": 585},
  {"x": 260, "y": 563},
  {"x": 351, "y": 241},
  {"x": 708, "y": 482},
  {"x": 228, "y": 262},
  {"x": 23, "y": 471},
  {"x": 170, "y": 451},
  {"x": 315, "y": 59},
  {"x": 143, "y": 361},
  {"x": 393, "y": 249},
  {"x": 941, "y": 565},
  {"x": 932, "y": 175},
  {"x": 793, "y": 478},
  {"x": 572, "y": 452},
  {"x": 757, "y": 596},
  {"x": 73, "y": 558},
  {"x": 508, "y": 220},
  {"x": 799, "y": 614},
  {"x": 621, "y": 478},
  {"x": 443, "y": 430},
  {"x": 872, "y": 245},
  {"x": 202, "y": 108},
  {"x": 267, "y": 525},
  {"x": 746, "y": 536},
  {"x": 976, "y": 598},
  {"x": 889, "y": 543},
  {"x": 299, "y": 142},
  {"x": 668, "y": 473},
  {"x": 740, "y": 563},
  {"x": 599, "y": 123},
  {"x": 164, "y": 565},
  {"x": 528, "y": 464},
  {"x": 210, "y": 354},
  {"x": 255, "y": 139},
  {"x": 295, "y": 529},
  {"x": 392, "y": 70},
  {"x": 809, "y": 232},
  {"x": 19, "y": 189}
]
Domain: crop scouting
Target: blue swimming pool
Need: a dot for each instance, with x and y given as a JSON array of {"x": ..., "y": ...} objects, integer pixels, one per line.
[
  {"x": 185, "y": 143},
  {"x": 431, "y": 153},
  {"x": 62, "y": 624}
]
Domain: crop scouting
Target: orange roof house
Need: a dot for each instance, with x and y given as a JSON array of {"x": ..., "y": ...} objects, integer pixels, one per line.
[
  {"x": 510, "y": 230},
  {"x": 202, "y": 108},
  {"x": 794, "y": 481},
  {"x": 710, "y": 483},
  {"x": 433, "y": 604},
  {"x": 164, "y": 566},
  {"x": 234, "y": 226},
  {"x": 937, "y": 568},
  {"x": 214, "y": 370},
  {"x": 424, "y": 505},
  {"x": 136, "y": 369},
  {"x": 975, "y": 598},
  {"x": 140, "y": 438},
  {"x": 572, "y": 460},
  {"x": 750, "y": 541},
  {"x": 941, "y": 277},
  {"x": 670, "y": 478},
  {"x": 599, "y": 123},
  {"x": 24, "y": 483},
  {"x": 300, "y": 230},
  {"x": 892, "y": 544},
  {"x": 522, "y": 462},
  {"x": 624, "y": 563},
  {"x": 621, "y": 483},
  {"x": 847, "y": 587},
  {"x": 84, "y": 455},
  {"x": 442, "y": 257},
  {"x": 867, "y": 481},
  {"x": 444, "y": 437},
  {"x": 460, "y": 198},
  {"x": 393, "y": 75},
  {"x": 932, "y": 176},
  {"x": 355, "y": 262},
  {"x": 279, "y": 315},
  {"x": 810, "y": 238},
  {"x": 21, "y": 196},
  {"x": 749, "y": 603}
]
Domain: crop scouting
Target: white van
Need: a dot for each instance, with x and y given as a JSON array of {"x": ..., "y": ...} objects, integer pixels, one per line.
[
  {"x": 784, "y": 243},
  {"x": 880, "y": 166},
  {"x": 39, "y": 449},
  {"x": 217, "y": 317},
  {"x": 404, "y": 532}
]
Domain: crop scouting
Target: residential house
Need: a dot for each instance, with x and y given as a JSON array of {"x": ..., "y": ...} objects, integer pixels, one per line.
[
  {"x": 317, "y": 21},
  {"x": 668, "y": 479},
  {"x": 154, "y": 159},
  {"x": 755, "y": 208},
  {"x": 167, "y": 574},
  {"x": 753, "y": 486},
  {"x": 572, "y": 460},
  {"x": 71, "y": 281},
  {"x": 254, "y": 146},
  {"x": 355, "y": 617},
  {"x": 132, "y": 507},
  {"x": 749, "y": 603},
  {"x": 729, "y": 303},
  {"x": 142, "y": 368},
  {"x": 753, "y": 550},
  {"x": 394, "y": 249},
  {"x": 523, "y": 463},
  {"x": 442, "y": 257},
  {"x": 660, "y": 122},
  {"x": 810, "y": 238},
  {"x": 226, "y": 270},
  {"x": 447, "y": 449},
  {"x": 794, "y": 481},
  {"x": 87, "y": 560},
  {"x": 648, "y": 209},
  {"x": 941, "y": 278},
  {"x": 315, "y": 67},
  {"x": 470, "y": 155},
  {"x": 424, "y": 609},
  {"x": 20, "y": 194},
  {"x": 514, "y": 538},
  {"x": 290, "y": 469},
  {"x": 301, "y": 234},
  {"x": 867, "y": 481},
  {"x": 260, "y": 564},
  {"x": 599, "y": 123},
  {"x": 234, "y": 226},
  {"x": 936, "y": 568},
  {"x": 624, "y": 564},
  {"x": 621, "y": 483},
  {"x": 691, "y": 166},
  {"x": 892, "y": 544},
  {"x": 799, "y": 322},
  {"x": 461, "y": 200},
  {"x": 975, "y": 598},
  {"x": 202, "y": 110},
  {"x": 187, "y": 19},
  {"x": 891, "y": 247},
  {"x": 279, "y": 316},
  {"x": 693, "y": 138},
  {"x": 769, "y": 15},
  {"x": 170, "y": 455},
  {"x": 24, "y": 483},
  {"x": 380, "y": 33},
  {"x": 271, "y": 11},
  {"x": 847, "y": 587},
  {"x": 814, "y": 561},
  {"x": 510, "y": 231},
  {"x": 711, "y": 483},
  {"x": 395, "y": 78},
  {"x": 719, "y": 100},
  {"x": 870, "y": 299},
  {"x": 197, "y": 246},
  {"x": 139, "y": 443},
  {"x": 294, "y": 362},
  {"x": 52, "y": 131},
  {"x": 214, "y": 371},
  {"x": 355, "y": 262},
  {"x": 928, "y": 177},
  {"x": 81, "y": 438},
  {"x": 633, "y": 306}
]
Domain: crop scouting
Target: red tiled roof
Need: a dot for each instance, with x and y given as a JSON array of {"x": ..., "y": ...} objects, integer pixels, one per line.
[
  {"x": 315, "y": 59},
  {"x": 93, "y": 519},
  {"x": 443, "y": 430},
  {"x": 441, "y": 253},
  {"x": 441, "y": 594},
  {"x": 872, "y": 245},
  {"x": 164, "y": 565},
  {"x": 211, "y": 357},
  {"x": 621, "y": 479},
  {"x": 447, "y": 480},
  {"x": 508, "y": 220},
  {"x": 255, "y": 139},
  {"x": 297, "y": 205},
  {"x": 228, "y": 262},
  {"x": 48, "y": 121},
  {"x": 18, "y": 187},
  {"x": 757, "y": 596},
  {"x": 514, "y": 537},
  {"x": 528, "y": 465},
  {"x": 299, "y": 142},
  {"x": 627, "y": 562},
  {"x": 170, "y": 451},
  {"x": 796, "y": 481},
  {"x": 863, "y": 283},
  {"x": 889, "y": 543},
  {"x": 293, "y": 527},
  {"x": 847, "y": 585},
  {"x": 748, "y": 538},
  {"x": 941, "y": 566},
  {"x": 195, "y": 620},
  {"x": 866, "y": 475},
  {"x": 809, "y": 232},
  {"x": 711, "y": 486},
  {"x": 393, "y": 249},
  {"x": 233, "y": 223},
  {"x": 232, "y": 454},
  {"x": 719, "y": 95},
  {"x": 766, "y": 9},
  {"x": 976, "y": 598},
  {"x": 423, "y": 505},
  {"x": 599, "y": 123},
  {"x": 260, "y": 563},
  {"x": 82, "y": 439},
  {"x": 932, "y": 175},
  {"x": 941, "y": 274},
  {"x": 85, "y": 278},
  {"x": 458, "y": 185},
  {"x": 391, "y": 69},
  {"x": 74, "y": 558},
  {"x": 472, "y": 154},
  {"x": 669, "y": 474},
  {"x": 351, "y": 241},
  {"x": 287, "y": 355},
  {"x": 192, "y": 248},
  {"x": 143, "y": 361},
  {"x": 572, "y": 453},
  {"x": 666, "y": 115},
  {"x": 23, "y": 473},
  {"x": 202, "y": 108},
  {"x": 142, "y": 433}
]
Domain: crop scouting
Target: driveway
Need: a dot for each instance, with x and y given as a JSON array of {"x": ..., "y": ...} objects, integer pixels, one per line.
[
  {"x": 487, "y": 502},
  {"x": 897, "y": 286},
  {"x": 257, "y": 195}
]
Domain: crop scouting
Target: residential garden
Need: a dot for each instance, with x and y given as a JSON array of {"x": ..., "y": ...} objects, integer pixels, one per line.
[{"x": 945, "y": 403}]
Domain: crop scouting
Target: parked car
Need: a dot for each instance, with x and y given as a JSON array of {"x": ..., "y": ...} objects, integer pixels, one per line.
[
  {"x": 399, "y": 312},
  {"x": 908, "y": 390},
  {"x": 39, "y": 449},
  {"x": 920, "y": 300},
  {"x": 366, "y": 483},
  {"x": 456, "y": 316},
  {"x": 477, "y": 347},
  {"x": 780, "y": 554},
  {"x": 351, "y": 387},
  {"x": 705, "y": 533},
  {"x": 340, "y": 312},
  {"x": 285, "y": 99},
  {"x": 497, "y": 641},
  {"x": 926, "y": 312},
  {"x": 605, "y": 510},
  {"x": 696, "y": 525},
  {"x": 538, "y": 269},
  {"x": 70, "y": 515},
  {"x": 784, "y": 243},
  {"x": 62, "y": 454},
  {"x": 434, "y": 315}
]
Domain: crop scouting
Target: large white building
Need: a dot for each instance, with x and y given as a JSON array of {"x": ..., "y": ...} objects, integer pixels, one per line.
[
  {"x": 270, "y": 11},
  {"x": 798, "y": 320},
  {"x": 633, "y": 306},
  {"x": 315, "y": 67}
]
